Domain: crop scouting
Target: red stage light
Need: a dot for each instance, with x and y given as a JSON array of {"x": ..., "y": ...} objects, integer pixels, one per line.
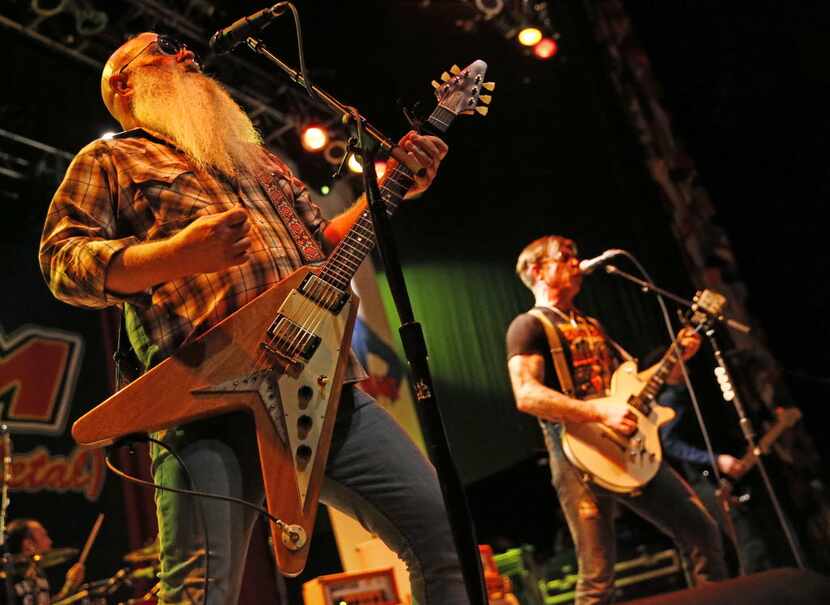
[{"x": 546, "y": 48}]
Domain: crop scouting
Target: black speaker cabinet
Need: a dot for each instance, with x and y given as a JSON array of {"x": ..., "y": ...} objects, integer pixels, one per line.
[{"x": 775, "y": 587}]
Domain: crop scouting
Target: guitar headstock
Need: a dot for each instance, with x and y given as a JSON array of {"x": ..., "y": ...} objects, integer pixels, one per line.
[
  {"x": 788, "y": 417},
  {"x": 460, "y": 90},
  {"x": 707, "y": 305}
]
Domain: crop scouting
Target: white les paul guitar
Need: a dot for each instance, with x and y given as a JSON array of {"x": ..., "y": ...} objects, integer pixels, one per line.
[{"x": 625, "y": 463}]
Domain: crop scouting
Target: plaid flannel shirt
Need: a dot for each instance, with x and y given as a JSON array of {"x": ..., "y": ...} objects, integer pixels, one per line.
[{"x": 137, "y": 187}]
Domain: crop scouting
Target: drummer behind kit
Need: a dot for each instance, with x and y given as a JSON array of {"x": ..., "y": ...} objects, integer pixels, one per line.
[{"x": 141, "y": 571}]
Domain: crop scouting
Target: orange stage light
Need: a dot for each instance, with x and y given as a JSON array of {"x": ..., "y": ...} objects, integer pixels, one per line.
[{"x": 314, "y": 138}]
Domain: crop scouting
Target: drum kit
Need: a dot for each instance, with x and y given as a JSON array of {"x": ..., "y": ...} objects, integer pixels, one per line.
[{"x": 142, "y": 566}]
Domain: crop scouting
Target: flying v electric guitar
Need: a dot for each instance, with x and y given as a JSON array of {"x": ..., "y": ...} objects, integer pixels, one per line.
[{"x": 281, "y": 357}]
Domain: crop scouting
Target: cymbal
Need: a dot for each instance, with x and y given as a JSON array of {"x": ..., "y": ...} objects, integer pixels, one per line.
[
  {"x": 48, "y": 558},
  {"x": 144, "y": 554}
]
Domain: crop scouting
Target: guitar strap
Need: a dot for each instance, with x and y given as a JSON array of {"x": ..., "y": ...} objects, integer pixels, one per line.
[
  {"x": 557, "y": 353},
  {"x": 297, "y": 230}
]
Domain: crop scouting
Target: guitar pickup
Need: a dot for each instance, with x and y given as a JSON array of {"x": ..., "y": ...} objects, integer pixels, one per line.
[
  {"x": 290, "y": 340},
  {"x": 323, "y": 293}
]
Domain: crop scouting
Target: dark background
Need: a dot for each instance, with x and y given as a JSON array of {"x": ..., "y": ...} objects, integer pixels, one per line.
[{"x": 746, "y": 85}]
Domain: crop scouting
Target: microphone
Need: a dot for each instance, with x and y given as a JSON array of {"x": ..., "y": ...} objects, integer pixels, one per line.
[
  {"x": 588, "y": 265},
  {"x": 226, "y": 39}
]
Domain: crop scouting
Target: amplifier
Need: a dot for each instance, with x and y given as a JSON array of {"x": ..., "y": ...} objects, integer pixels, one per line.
[{"x": 370, "y": 587}]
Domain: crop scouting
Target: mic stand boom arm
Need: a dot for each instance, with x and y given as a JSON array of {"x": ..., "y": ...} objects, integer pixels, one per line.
[
  {"x": 346, "y": 112},
  {"x": 651, "y": 287}
]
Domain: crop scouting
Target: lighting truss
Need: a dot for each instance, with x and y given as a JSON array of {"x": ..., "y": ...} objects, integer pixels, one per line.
[{"x": 89, "y": 31}]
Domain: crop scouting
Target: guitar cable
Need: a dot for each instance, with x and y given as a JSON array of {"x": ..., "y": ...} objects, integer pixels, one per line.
[{"x": 129, "y": 440}]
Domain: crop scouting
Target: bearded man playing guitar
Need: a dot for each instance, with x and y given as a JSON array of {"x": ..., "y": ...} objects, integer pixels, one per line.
[
  {"x": 549, "y": 267},
  {"x": 174, "y": 219}
]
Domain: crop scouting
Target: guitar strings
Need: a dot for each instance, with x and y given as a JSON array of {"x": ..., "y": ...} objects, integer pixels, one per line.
[
  {"x": 321, "y": 290},
  {"x": 392, "y": 203},
  {"x": 348, "y": 247}
]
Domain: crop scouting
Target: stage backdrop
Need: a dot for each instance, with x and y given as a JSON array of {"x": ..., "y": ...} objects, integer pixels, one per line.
[{"x": 53, "y": 367}]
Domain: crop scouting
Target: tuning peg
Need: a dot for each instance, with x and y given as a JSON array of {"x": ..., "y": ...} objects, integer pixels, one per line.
[
  {"x": 445, "y": 76},
  {"x": 467, "y": 112},
  {"x": 436, "y": 85},
  {"x": 482, "y": 110},
  {"x": 491, "y": 86},
  {"x": 485, "y": 99},
  {"x": 455, "y": 70}
]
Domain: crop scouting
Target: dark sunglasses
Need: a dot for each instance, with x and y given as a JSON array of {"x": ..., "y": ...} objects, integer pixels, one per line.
[{"x": 166, "y": 45}]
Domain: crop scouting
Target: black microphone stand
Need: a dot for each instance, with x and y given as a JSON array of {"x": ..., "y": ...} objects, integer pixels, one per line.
[
  {"x": 743, "y": 420},
  {"x": 412, "y": 337}
]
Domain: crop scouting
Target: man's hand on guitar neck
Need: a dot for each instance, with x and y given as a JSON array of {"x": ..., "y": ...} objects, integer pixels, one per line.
[
  {"x": 428, "y": 151},
  {"x": 689, "y": 342}
]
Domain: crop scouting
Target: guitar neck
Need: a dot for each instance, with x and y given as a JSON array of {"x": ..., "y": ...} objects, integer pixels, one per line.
[
  {"x": 783, "y": 423},
  {"x": 356, "y": 245},
  {"x": 645, "y": 398}
]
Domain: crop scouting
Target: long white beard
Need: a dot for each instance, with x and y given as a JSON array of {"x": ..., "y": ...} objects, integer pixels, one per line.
[{"x": 199, "y": 115}]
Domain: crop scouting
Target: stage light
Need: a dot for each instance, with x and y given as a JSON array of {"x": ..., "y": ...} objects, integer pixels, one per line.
[
  {"x": 529, "y": 36},
  {"x": 546, "y": 48},
  {"x": 314, "y": 138},
  {"x": 354, "y": 164},
  {"x": 357, "y": 168},
  {"x": 490, "y": 8},
  {"x": 325, "y": 189}
]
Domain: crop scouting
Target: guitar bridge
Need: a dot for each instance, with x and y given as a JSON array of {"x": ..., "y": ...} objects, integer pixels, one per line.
[{"x": 284, "y": 364}]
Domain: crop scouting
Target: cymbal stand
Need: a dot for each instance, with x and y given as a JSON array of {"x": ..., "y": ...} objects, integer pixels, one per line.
[{"x": 5, "y": 438}]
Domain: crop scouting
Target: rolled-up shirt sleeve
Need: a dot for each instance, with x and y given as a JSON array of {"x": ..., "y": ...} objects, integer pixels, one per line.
[{"x": 79, "y": 237}]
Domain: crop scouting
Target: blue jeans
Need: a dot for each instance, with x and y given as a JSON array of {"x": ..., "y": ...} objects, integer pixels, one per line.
[
  {"x": 666, "y": 501},
  {"x": 374, "y": 473}
]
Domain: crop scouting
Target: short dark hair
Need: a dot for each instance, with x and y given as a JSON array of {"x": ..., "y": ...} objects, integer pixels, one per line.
[
  {"x": 17, "y": 531},
  {"x": 535, "y": 251}
]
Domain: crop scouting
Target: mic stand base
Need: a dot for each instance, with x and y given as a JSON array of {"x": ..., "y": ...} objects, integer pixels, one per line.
[{"x": 723, "y": 494}]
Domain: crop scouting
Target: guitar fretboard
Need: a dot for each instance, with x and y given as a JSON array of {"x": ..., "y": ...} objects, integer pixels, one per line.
[{"x": 645, "y": 398}]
